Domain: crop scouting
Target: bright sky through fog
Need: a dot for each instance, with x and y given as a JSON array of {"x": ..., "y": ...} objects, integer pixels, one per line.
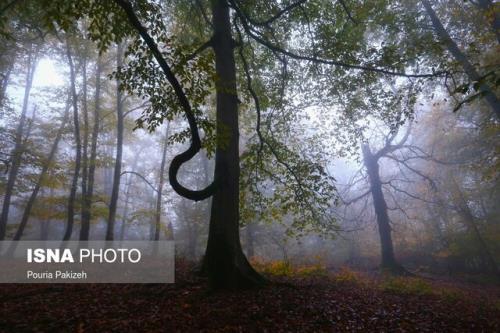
[{"x": 47, "y": 75}]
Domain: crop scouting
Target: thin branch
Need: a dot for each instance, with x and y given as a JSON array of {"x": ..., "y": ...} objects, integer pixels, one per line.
[
  {"x": 359, "y": 197},
  {"x": 347, "y": 11},
  {"x": 143, "y": 105},
  {"x": 196, "y": 52},
  {"x": 263, "y": 141},
  {"x": 431, "y": 182},
  {"x": 389, "y": 148},
  {"x": 140, "y": 176},
  {"x": 244, "y": 20},
  {"x": 252, "y": 92},
  {"x": 413, "y": 195},
  {"x": 276, "y": 16}
]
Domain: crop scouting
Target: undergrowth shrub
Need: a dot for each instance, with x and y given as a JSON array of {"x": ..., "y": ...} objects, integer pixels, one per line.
[
  {"x": 407, "y": 286},
  {"x": 451, "y": 295},
  {"x": 347, "y": 275},
  {"x": 285, "y": 268}
]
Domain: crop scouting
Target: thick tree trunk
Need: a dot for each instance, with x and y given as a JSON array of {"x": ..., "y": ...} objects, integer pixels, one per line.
[
  {"x": 78, "y": 148},
  {"x": 389, "y": 262},
  {"x": 460, "y": 57},
  {"x": 224, "y": 261},
  {"x": 41, "y": 177},
  {"x": 115, "y": 191},
  {"x": 87, "y": 200},
  {"x": 161, "y": 182},
  {"x": 17, "y": 152}
]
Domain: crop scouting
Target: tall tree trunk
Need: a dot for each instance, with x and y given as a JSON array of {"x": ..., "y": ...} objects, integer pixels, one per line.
[
  {"x": 127, "y": 198},
  {"x": 389, "y": 262},
  {"x": 87, "y": 200},
  {"x": 161, "y": 182},
  {"x": 85, "y": 168},
  {"x": 109, "y": 150},
  {"x": 45, "y": 226},
  {"x": 225, "y": 263},
  {"x": 78, "y": 152},
  {"x": 152, "y": 220},
  {"x": 460, "y": 57},
  {"x": 17, "y": 152},
  {"x": 41, "y": 177},
  {"x": 115, "y": 191},
  {"x": 125, "y": 207}
]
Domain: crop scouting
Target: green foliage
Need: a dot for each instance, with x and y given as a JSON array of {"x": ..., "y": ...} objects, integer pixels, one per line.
[{"x": 279, "y": 185}]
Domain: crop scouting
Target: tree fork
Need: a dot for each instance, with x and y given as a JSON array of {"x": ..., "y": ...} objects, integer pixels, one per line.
[{"x": 389, "y": 263}]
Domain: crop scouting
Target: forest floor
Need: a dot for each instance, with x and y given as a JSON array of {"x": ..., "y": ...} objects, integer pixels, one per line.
[{"x": 307, "y": 299}]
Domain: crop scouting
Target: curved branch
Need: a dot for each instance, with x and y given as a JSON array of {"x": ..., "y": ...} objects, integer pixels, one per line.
[
  {"x": 195, "y": 145},
  {"x": 252, "y": 92},
  {"x": 245, "y": 20},
  {"x": 140, "y": 176}
]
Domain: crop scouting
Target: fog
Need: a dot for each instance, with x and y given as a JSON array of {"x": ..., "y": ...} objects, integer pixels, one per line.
[{"x": 382, "y": 172}]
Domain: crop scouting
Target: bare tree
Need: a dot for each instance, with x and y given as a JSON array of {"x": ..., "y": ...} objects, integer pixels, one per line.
[{"x": 371, "y": 160}]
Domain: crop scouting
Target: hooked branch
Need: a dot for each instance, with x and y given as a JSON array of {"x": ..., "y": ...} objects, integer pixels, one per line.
[{"x": 195, "y": 145}]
